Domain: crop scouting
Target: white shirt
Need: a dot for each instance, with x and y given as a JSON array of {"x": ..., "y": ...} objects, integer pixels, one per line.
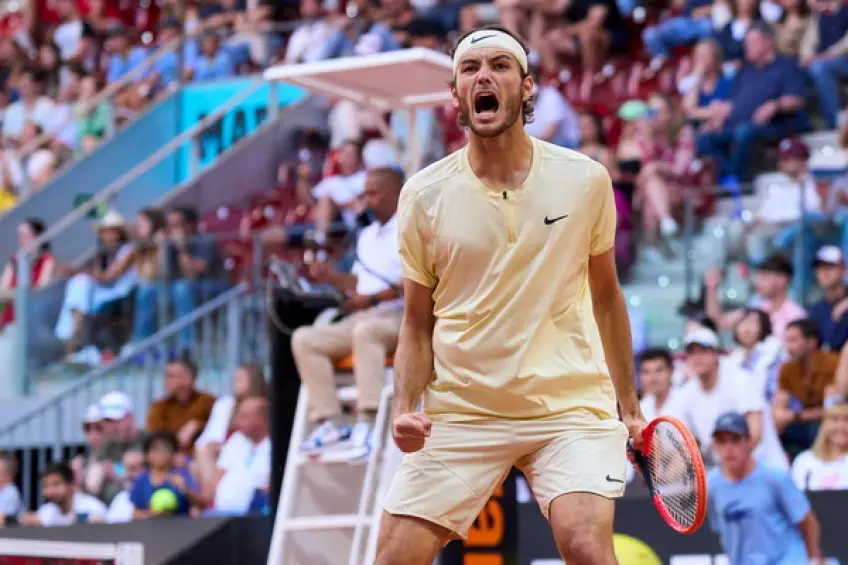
[
  {"x": 377, "y": 254},
  {"x": 699, "y": 409},
  {"x": 67, "y": 38},
  {"x": 342, "y": 189},
  {"x": 307, "y": 42},
  {"x": 648, "y": 404},
  {"x": 247, "y": 467},
  {"x": 18, "y": 114},
  {"x": 51, "y": 515},
  {"x": 218, "y": 424},
  {"x": 121, "y": 509},
  {"x": 811, "y": 473},
  {"x": 781, "y": 199},
  {"x": 38, "y": 161},
  {"x": 768, "y": 449},
  {"x": 552, "y": 108},
  {"x": 10, "y": 500}
]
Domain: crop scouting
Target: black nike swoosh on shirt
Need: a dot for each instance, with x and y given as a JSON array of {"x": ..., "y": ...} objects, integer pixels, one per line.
[
  {"x": 612, "y": 480},
  {"x": 481, "y": 38},
  {"x": 549, "y": 221}
]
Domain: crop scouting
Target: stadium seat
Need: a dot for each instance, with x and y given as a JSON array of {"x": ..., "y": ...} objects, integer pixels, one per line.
[{"x": 345, "y": 365}]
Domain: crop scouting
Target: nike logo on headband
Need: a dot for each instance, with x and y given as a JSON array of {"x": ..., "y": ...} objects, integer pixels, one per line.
[{"x": 481, "y": 38}]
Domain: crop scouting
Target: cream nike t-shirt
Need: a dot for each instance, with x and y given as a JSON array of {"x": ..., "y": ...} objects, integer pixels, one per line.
[{"x": 515, "y": 335}]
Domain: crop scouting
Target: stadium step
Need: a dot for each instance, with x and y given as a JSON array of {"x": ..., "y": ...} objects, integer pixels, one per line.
[{"x": 329, "y": 509}]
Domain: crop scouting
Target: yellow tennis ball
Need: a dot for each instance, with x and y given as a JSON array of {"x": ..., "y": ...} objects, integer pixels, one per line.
[
  {"x": 164, "y": 501},
  {"x": 631, "y": 551}
]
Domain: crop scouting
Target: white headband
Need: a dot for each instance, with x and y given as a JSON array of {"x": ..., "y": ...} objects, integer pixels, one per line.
[{"x": 490, "y": 38}]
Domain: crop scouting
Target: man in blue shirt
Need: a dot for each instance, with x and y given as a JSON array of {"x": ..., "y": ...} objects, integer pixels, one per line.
[
  {"x": 767, "y": 103},
  {"x": 831, "y": 312},
  {"x": 757, "y": 511}
]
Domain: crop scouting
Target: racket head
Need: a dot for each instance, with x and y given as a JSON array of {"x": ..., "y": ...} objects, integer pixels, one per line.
[{"x": 671, "y": 464}]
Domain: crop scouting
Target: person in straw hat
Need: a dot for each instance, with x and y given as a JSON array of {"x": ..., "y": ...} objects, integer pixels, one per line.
[{"x": 85, "y": 293}]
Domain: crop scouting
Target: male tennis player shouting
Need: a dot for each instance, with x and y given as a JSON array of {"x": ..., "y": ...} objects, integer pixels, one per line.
[{"x": 513, "y": 312}]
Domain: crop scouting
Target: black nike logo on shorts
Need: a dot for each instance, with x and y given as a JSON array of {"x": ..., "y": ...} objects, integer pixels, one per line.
[
  {"x": 481, "y": 38},
  {"x": 612, "y": 480},
  {"x": 549, "y": 221}
]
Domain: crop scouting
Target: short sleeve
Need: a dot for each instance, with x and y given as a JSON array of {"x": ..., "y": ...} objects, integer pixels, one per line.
[
  {"x": 793, "y": 80},
  {"x": 793, "y": 502},
  {"x": 137, "y": 492},
  {"x": 415, "y": 239},
  {"x": 800, "y": 471},
  {"x": 47, "y": 514},
  {"x": 603, "y": 227}
]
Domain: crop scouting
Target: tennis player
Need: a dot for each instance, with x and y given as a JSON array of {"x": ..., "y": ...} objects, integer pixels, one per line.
[
  {"x": 756, "y": 510},
  {"x": 513, "y": 315}
]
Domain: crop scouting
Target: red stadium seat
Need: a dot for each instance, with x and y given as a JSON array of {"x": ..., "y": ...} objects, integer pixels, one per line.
[{"x": 223, "y": 220}]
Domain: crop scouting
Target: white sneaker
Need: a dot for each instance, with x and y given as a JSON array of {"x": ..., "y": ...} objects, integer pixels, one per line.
[
  {"x": 324, "y": 436},
  {"x": 357, "y": 448}
]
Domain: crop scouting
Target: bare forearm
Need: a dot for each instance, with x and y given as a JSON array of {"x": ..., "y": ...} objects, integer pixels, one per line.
[
  {"x": 811, "y": 532},
  {"x": 413, "y": 367},
  {"x": 614, "y": 327}
]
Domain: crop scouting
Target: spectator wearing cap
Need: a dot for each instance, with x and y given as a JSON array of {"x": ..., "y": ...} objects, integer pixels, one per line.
[
  {"x": 824, "y": 51},
  {"x": 771, "y": 287},
  {"x": 766, "y": 103},
  {"x": 92, "y": 429},
  {"x": 788, "y": 194},
  {"x": 831, "y": 312},
  {"x": 743, "y": 491},
  {"x": 714, "y": 389},
  {"x": 805, "y": 379},
  {"x": 103, "y": 475}
]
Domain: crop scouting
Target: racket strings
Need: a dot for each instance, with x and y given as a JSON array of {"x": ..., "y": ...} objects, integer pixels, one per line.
[{"x": 674, "y": 474}]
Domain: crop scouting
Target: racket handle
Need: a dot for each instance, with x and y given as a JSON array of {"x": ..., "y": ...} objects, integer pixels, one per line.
[{"x": 642, "y": 463}]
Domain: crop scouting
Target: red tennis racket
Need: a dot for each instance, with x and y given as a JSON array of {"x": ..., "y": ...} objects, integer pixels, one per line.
[{"x": 674, "y": 472}]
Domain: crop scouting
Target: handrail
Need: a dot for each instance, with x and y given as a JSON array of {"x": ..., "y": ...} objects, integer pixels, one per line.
[
  {"x": 140, "y": 169},
  {"x": 91, "y": 105},
  {"x": 168, "y": 331}
]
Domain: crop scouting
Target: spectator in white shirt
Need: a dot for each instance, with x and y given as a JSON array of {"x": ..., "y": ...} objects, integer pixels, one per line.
[
  {"x": 31, "y": 107},
  {"x": 68, "y": 34},
  {"x": 244, "y": 466},
  {"x": 655, "y": 371},
  {"x": 10, "y": 496},
  {"x": 248, "y": 381},
  {"x": 825, "y": 465},
  {"x": 774, "y": 225},
  {"x": 306, "y": 44},
  {"x": 340, "y": 193},
  {"x": 369, "y": 329},
  {"x": 553, "y": 119},
  {"x": 65, "y": 505},
  {"x": 714, "y": 389}
]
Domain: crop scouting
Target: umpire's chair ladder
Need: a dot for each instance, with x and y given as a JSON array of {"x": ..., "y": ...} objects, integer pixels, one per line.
[{"x": 329, "y": 511}]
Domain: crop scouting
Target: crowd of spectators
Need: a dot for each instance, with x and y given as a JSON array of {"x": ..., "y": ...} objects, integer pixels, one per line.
[
  {"x": 197, "y": 455},
  {"x": 114, "y": 300},
  {"x": 786, "y": 370},
  {"x": 57, "y": 56}
]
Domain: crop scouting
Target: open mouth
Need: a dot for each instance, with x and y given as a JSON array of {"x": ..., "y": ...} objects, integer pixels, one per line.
[{"x": 486, "y": 103}]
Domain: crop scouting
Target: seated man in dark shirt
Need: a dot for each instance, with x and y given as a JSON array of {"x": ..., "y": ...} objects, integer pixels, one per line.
[
  {"x": 824, "y": 52},
  {"x": 831, "y": 312},
  {"x": 767, "y": 103},
  {"x": 195, "y": 267}
]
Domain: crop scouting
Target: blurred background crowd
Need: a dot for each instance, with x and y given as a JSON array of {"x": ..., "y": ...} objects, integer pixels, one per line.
[{"x": 721, "y": 123}]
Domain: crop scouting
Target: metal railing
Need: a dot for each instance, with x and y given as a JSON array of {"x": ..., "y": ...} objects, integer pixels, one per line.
[
  {"x": 52, "y": 431},
  {"x": 107, "y": 195}
]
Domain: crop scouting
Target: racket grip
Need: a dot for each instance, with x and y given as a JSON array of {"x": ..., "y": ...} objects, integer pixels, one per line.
[{"x": 641, "y": 462}]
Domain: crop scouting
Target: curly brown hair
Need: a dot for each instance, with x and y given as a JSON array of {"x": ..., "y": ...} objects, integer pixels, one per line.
[{"x": 528, "y": 108}]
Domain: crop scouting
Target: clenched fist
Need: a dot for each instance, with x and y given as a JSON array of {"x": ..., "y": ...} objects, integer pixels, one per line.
[{"x": 410, "y": 430}]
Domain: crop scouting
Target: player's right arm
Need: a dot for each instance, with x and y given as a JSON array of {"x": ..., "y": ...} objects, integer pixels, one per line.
[
  {"x": 414, "y": 355},
  {"x": 413, "y": 367}
]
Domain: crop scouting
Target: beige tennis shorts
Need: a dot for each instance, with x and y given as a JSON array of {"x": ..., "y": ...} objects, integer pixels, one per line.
[{"x": 450, "y": 480}]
